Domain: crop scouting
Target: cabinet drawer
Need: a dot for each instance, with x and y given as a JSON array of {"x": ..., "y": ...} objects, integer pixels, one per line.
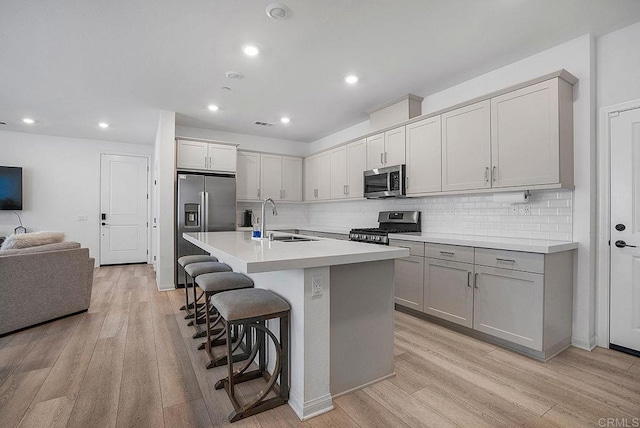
[
  {"x": 514, "y": 260},
  {"x": 454, "y": 253},
  {"x": 416, "y": 248}
]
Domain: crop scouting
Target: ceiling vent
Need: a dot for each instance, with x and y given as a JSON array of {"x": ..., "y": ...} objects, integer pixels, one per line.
[{"x": 259, "y": 123}]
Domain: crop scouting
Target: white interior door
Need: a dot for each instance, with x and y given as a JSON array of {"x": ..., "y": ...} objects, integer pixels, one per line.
[
  {"x": 123, "y": 207},
  {"x": 625, "y": 230}
]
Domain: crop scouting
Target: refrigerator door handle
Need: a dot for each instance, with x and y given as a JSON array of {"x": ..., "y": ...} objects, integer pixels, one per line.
[
  {"x": 201, "y": 211},
  {"x": 206, "y": 211}
]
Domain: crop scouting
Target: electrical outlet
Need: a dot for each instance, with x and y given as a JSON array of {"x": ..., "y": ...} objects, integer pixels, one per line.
[
  {"x": 82, "y": 218},
  {"x": 514, "y": 209},
  {"x": 525, "y": 209},
  {"x": 452, "y": 209},
  {"x": 316, "y": 286}
]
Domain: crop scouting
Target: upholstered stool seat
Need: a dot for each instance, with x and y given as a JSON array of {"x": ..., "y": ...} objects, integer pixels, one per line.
[
  {"x": 247, "y": 304},
  {"x": 251, "y": 308},
  {"x": 196, "y": 269},
  {"x": 187, "y": 260},
  {"x": 212, "y": 284}
]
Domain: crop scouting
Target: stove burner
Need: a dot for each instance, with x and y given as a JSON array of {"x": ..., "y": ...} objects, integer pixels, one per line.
[{"x": 390, "y": 222}]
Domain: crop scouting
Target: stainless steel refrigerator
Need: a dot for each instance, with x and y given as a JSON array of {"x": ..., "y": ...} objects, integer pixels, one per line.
[{"x": 206, "y": 203}]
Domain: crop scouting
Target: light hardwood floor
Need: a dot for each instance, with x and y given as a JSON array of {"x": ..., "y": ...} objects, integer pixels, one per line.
[{"x": 130, "y": 361}]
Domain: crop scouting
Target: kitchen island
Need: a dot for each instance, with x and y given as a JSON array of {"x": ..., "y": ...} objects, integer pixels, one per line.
[{"x": 342, "y": 300}]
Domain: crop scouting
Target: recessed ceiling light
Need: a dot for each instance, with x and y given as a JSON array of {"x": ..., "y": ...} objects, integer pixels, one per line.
[
  {"x": 103, "y": 125},
  {"x": 213, "y": 107},
  {"x": 351, "y": 79},
  {"x": 285, "y": 120},
  {"x": 251, "y": 50},
  {"x": 233, "y": 74},
  {"x": 28, "y": 120},
  {"x": 278, "y": 11}
]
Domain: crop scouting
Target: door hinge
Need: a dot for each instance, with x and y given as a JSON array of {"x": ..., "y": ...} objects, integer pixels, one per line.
[
  {"x": 147, "y": 224},
  {"x": 147, "y": 252},
  {"x": 147, "y": 196},
  {"x": 609, "y": 242}
]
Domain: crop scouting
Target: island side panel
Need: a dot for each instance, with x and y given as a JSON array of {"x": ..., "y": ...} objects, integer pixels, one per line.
[
  {"x": 309, "y": 334},
  {"x": 362, "y": 297}
]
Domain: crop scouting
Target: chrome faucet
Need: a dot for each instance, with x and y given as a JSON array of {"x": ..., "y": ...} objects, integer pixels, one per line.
[{"x": 275, "y": 212}]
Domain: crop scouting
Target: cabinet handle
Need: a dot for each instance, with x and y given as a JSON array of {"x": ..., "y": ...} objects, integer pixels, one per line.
[
  {"x": 469, "y": 279},
  {"x": 475, "y": 281},
  {"x": 386, "y": 159},
  {"x": 258, "y": 193},
  {"x": 206, "y": 160},
  {"x": 486, "y": 174},
  {"x": 381, "y": 158},
  {"x": 494, "y": 174},
  {"x": 348, "y": 190},
  {"x": 315, "y": 193},
  {"x": 505, "y": 260},
  {"x": 447, "y": 253}
]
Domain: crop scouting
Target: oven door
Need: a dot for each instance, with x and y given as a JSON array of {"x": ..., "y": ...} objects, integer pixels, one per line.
[{"x": 385, "y": 182}]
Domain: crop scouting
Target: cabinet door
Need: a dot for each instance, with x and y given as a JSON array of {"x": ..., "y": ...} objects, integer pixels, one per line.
[
  {"x": 339, "y": 173},
  {"x": 291, "y": 179},
  {"x": 311, "y": 178},
  {"x": 466, "y": 148},
  {"x": 324, "y": 177},
  {"x": 525, "y": 140},
  {"x": 409, "y": 274},
  {"x": 222, "y": 158},
  {"x": 357, "y": 159},
  {"x": 448, "y": 291},
  {"x": 270, "y": 176},
  {"x": 394, "y": 147},
  {"x": 248, "y": 176},
  {"x": 375, "y": 151},
  {"x": 192, "y": 155},
  {"x": 508, "y": 305},
  {"x": 424, "y": 162}
]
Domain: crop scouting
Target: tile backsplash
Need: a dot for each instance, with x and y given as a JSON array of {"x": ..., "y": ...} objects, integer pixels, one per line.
[{"x": 549, "y": 217}]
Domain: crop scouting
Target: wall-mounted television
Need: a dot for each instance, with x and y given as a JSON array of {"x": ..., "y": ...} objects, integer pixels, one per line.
[{"x": 10, "y": 188}]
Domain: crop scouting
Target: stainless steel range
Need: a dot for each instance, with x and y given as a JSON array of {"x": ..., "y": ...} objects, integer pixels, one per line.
[{"x": 390, "y": 222}]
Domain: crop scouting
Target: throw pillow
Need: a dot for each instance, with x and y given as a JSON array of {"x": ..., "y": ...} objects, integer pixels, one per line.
[{"x": 26, "y": 240}]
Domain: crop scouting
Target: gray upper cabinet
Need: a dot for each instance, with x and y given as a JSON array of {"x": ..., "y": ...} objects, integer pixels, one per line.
[
  {"x": 424, "y": 163},
  {"x": 530, "y": 135},
  {"x": 466, "y": 148}
]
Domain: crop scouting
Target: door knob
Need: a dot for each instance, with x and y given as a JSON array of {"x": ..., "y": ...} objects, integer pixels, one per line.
[
  {"x": 620, "y": 227},
  {"x": 104, "y": 224},
  {"x": 622, "y": 244}
]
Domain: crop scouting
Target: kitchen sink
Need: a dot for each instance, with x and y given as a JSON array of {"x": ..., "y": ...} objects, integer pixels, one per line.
[{"x": 293, "y": 239}]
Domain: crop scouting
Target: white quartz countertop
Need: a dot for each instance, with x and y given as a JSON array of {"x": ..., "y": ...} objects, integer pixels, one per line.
[
  {"x": 498, "y": 243},
  {"x": 251, "y": 256}
]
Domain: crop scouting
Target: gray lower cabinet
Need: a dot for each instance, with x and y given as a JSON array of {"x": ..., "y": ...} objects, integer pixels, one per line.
[
  {"x": 520, "y": 300},
  {"x": 509, "y": 304},
  {"x": 448, "y": 290},
  {"x": 409, "y": 278}
]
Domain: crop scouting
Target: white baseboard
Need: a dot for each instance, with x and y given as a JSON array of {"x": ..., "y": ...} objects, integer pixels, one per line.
[
  {"x": 587, "y": 345},
  {"x": 312, "y": 408}
]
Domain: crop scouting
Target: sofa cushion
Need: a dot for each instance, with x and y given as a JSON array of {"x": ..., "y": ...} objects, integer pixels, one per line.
[
  {"x": 65, "y": 245},
  {"x": 26, "y": 240}
]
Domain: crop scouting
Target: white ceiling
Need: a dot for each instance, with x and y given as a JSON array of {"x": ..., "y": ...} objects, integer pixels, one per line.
[{"x": 70, "y": 64}]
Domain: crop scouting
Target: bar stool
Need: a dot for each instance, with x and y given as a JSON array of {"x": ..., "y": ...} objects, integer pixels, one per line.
[
  {"x": 251, "y": 308},
  {"x": 194, "y": 270},
  {"x": 187, "y": 260},
  {"x": 211, "y": 284}
]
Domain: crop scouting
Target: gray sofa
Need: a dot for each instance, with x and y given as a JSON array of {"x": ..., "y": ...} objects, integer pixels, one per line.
[{"x": 42, "y": 283}]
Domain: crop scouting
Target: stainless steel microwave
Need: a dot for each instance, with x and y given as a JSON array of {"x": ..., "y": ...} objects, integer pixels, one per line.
[{"x": 386, "y": 182}]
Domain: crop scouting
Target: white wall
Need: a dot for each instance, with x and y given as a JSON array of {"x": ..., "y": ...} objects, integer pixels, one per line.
[
  {"x": 164, "y": 211},
  {"x": 339, "y": 137},
  {"x": 578, "y": 57},
  {"x": 246, "y": 141},
  {"x": 61, "y": 181},
  {"x": 618, "y": 66}
]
